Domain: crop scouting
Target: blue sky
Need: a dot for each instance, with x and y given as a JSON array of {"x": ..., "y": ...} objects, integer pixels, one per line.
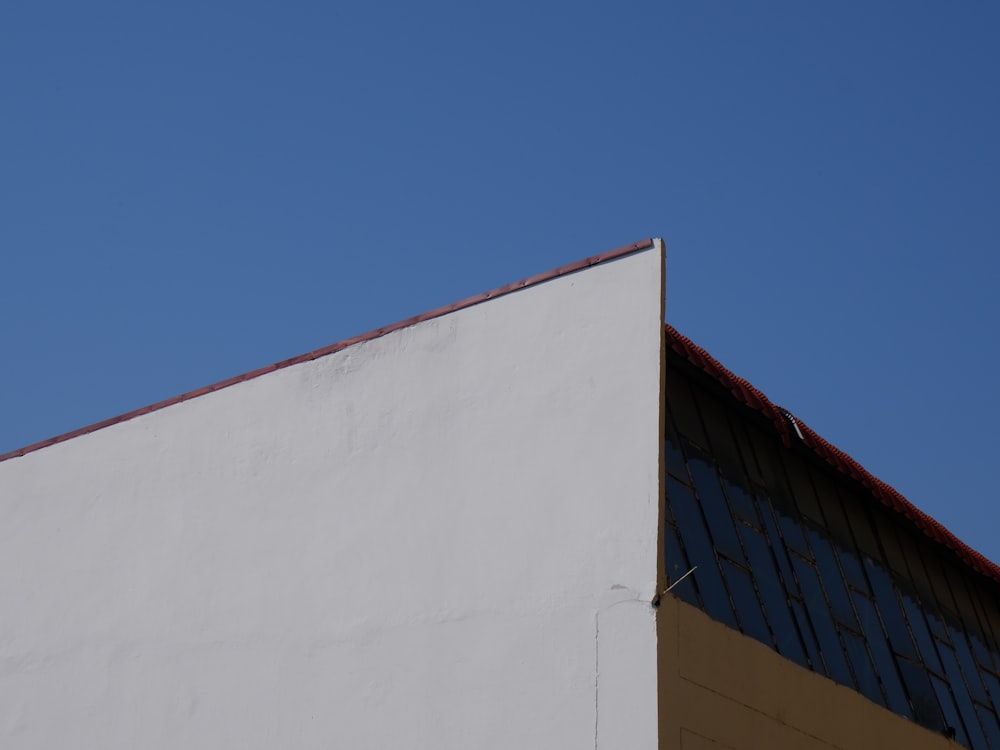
[{"x": 192, "y": 190}]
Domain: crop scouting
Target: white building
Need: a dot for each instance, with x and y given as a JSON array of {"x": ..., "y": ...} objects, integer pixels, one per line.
[
  {"x": 442, "y": 534},
  {"x": 458, "y": 531}
]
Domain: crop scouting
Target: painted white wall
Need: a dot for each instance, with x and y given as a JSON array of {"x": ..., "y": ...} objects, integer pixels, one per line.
[{"x": 441, "y": 538}]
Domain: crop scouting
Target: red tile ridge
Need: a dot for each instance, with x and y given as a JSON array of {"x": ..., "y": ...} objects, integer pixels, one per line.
[
  {"x": 884, "y": 493},
  {"x": 539, "y": 278}
]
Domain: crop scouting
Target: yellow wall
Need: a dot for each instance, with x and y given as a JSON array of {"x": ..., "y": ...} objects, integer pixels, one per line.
[{"x": 720, "y": 690}]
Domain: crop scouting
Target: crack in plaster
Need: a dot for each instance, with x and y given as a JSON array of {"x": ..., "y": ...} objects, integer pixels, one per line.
[
  {"x": 617, "y": 594},
  {"x": 597, "y": 672}
]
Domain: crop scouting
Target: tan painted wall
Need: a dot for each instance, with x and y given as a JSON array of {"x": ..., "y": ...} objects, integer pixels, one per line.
[{"x": 720, "y": 690}]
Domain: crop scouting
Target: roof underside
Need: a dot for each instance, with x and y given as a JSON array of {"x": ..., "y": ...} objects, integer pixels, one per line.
[{"x": 791, "y": 429}]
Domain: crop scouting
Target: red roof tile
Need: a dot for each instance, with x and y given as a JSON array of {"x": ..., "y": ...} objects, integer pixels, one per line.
[{"x": 787, "y": 425}]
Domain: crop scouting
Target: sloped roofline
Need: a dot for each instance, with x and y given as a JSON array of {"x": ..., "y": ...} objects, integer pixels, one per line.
[
  {"x": 579, "y": 265},
  {"x": 791, "y": 429}
]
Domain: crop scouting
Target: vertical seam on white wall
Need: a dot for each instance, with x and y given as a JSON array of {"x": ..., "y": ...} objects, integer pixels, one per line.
[{"x": 597, "y": 672}]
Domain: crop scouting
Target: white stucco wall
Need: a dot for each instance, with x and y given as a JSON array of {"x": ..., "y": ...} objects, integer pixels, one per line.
[{"x": 441, "y": 538}]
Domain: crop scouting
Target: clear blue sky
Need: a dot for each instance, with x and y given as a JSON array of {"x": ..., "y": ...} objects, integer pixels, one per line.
[{"x": 192, "y": 190}]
